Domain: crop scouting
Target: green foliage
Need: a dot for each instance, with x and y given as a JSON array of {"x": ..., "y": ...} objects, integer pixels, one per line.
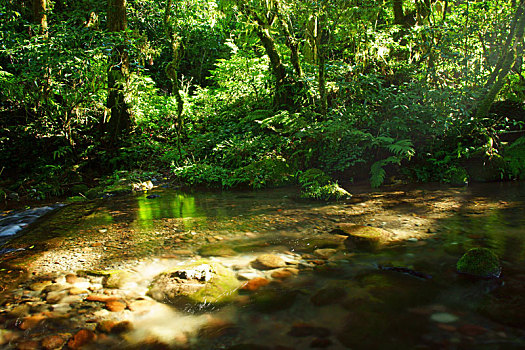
[
  {"x": 514, "y": 156},
  {"x": 315, "y": 184},
  {"x": 314, "y": 177}
]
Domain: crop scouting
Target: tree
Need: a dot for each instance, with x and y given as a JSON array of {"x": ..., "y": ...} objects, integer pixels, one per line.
[
  {"x": 40, "y": 15},
  {"x": 177, "y": 51},
  {"x": 508, "y": 56},
  {"x": 120, "y": 116},
  {"x": 263, "y": 14}
]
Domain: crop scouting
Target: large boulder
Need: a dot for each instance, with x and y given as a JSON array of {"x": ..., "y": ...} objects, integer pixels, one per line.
[
  {"x": 479, "y": 262},
  {"x": 199, "y": 282}
]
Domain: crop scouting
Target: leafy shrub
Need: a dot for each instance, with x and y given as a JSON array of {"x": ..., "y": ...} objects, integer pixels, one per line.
[
  {"x": 313, "y": 177},
  {"x": 514, "y": 156}
]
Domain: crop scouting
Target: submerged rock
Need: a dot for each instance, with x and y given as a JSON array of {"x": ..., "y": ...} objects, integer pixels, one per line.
[
  {"x": 364, "y": 237},
  {"x": 479, "y": 262},
  {"x": 200, "y": 282}
]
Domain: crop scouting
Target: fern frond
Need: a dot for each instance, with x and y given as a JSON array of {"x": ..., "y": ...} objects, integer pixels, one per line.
[{"x": 402, "y": 148}]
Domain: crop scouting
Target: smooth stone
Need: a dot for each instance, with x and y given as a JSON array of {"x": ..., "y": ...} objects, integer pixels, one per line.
[
  {"x": 115, "y": 305},
  {"x": 255, "y": 283},
  {"x": 443, "y": 317},
  {"x": 325, "y": 253},
  {"x": 285, "y": 273},
  {"x": 31, "y": 321},
  {"x": 248, "y": 275},
  {"x": 268, "y": 262}
]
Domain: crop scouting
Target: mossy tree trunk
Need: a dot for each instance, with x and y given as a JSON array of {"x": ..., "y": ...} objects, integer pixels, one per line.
[
  {"x": 284, "y": 95},
  {"x": 119, "y": 122}
]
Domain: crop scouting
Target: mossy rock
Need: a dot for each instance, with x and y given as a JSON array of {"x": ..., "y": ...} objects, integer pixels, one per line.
[
  {"x": 329, "y": 192},
  {"x": 75, "y": 199},
  {"x": 93, "y": 193},
  {"x": 79, "y": 189},
  {"x": 218, "y": 249},
  {"x": 366, "y": 238},
  {"x": 171, "y": 288},
  {"x": 479, "y": 262}
]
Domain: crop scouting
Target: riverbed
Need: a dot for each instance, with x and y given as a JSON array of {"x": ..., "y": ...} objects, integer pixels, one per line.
[{"x": 59, "y": 288}]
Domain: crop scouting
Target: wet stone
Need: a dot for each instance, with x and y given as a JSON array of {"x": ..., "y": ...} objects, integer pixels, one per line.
[
  {"x": 81, "y": 338},
  {"x": 268, "y": 262},
  {"x": 255, "y": 284},
  {"x": 31, "y": 321},
  {"x": 308, "y": 330},
  {"x": 284, "y": 273},
  {"x": 53, "y": 342},
  {"x": 40, "y": 286},
  {"x": 321, "y": 343},
  {"x": 115, "y": 305},
  {"x": 28, "y": 345}
]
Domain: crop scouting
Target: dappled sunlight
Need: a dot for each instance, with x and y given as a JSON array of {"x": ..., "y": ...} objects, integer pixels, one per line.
[{"x": 294, "y": 273}]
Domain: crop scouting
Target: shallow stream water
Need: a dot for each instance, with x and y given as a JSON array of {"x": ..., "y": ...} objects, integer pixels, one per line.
[{"x": 401, "y": 294}]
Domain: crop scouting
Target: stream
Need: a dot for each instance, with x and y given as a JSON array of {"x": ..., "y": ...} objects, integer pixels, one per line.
[{"x": 81, "y": 276}]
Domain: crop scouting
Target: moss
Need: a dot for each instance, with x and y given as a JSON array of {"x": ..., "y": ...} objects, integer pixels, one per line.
[
  {"x": 220, "y": 289},
  {"x": 479, "y": 262}
]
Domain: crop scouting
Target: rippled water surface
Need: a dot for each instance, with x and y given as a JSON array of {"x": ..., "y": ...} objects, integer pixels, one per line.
[{"x": 400, "y": 293}]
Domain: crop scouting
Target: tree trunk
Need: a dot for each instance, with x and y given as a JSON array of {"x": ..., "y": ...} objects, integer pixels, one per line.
[
  {"x": 505, "y": 62},
  {"x": 120, "y": 117},
  {"x": 177, "y": 50},
  {"x": 399, "y": 15},
  {"x": 292, "y": 44},
  {"x": 281, "y": 96},
  {"x": 322, "y": 44},
  {"x": 40, "y": 16}
]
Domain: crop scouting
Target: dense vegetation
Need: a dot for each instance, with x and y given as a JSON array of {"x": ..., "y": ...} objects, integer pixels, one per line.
[{"x": 231, "y": 93}]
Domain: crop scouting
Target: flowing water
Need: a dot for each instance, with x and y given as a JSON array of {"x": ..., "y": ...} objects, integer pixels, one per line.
[{"x": 400, "y": 293}]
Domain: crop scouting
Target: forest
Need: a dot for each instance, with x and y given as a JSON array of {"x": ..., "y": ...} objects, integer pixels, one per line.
[{"x": 95, "y": 95}]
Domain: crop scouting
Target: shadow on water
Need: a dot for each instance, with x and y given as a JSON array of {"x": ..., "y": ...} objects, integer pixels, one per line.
[{"x": 331, "y": 297}]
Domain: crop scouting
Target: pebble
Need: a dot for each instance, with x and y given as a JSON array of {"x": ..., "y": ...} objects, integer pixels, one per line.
[
  {"x": 472, "y": 330},
  {"x": 52, "y": 342}
]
